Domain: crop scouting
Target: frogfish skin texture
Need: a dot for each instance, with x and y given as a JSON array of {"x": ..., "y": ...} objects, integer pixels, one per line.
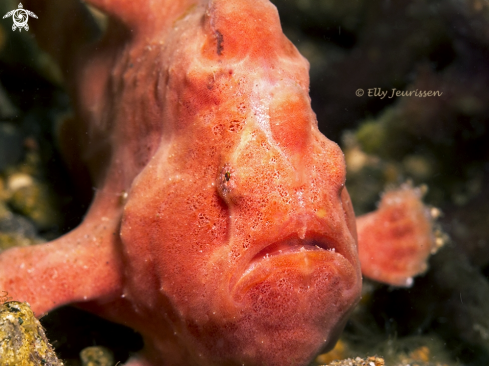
[{"x": 221, "y": 228}]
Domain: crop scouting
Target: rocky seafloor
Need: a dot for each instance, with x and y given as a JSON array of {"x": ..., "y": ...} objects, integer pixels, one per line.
[{"x": 440, "y": 141}]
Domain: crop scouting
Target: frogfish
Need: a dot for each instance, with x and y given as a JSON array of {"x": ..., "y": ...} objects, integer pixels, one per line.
[{"x": 220, "y": 228}]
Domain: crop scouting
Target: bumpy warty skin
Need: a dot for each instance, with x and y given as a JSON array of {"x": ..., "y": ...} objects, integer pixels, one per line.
[
  {"x": 232, "y": 179},
  {"x": 204, "y": 119},
  {"x": 221, "y": 229}
]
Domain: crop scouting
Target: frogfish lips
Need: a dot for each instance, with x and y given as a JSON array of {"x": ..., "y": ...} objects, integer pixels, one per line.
[
  {"x": 293, "y": 244},
  {"x": 297, "y": 294}
]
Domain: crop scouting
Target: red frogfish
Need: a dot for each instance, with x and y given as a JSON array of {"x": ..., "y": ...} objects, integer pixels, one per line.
[{"x": 221, "y": 228}]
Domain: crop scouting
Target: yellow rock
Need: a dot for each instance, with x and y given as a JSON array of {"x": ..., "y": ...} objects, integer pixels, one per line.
[{"x": 23, "y": 340}]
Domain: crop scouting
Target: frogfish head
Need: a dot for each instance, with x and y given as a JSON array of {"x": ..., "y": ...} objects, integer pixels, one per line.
[{"x": 242, "y": 232}]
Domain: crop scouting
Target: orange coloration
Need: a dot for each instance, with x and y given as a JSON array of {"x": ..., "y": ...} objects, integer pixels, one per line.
[
  {"x": 235, "y": 243},
  {"x": 396, "y": 240}
]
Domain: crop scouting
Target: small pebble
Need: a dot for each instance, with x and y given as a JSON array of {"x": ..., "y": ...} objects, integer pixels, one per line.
[{"x": 97, "y": 356}]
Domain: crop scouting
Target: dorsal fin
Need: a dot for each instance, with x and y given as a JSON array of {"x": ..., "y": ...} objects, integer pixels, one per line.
[
  {"x": 64, "y": 26},
  {"x": 129, "y": 12},
  {"x": 143, "y": 16}
]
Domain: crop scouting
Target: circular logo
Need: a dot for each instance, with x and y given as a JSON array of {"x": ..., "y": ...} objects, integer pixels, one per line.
[{"x": 20, "y": 18}]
